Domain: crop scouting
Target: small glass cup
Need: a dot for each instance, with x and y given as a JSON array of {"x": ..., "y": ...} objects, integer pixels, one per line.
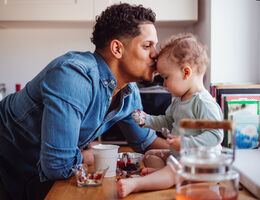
[
  {"x": 129, "y": 162},
  {"x": 88, "y": 178}
]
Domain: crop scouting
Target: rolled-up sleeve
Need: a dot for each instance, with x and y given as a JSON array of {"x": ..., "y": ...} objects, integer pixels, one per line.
[
  {"x": 60, "y": 132},
  {"x": 61, "y": 121}
]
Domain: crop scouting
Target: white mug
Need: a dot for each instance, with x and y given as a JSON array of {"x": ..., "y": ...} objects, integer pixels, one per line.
[{"x": 105, "y": 155}]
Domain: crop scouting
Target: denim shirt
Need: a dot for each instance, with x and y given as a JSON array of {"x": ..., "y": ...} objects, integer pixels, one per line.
[{"x": 60, "y": 111}]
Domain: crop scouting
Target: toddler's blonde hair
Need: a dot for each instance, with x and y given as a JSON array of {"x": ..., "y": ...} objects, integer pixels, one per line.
[{"x": 185, "y": 49}]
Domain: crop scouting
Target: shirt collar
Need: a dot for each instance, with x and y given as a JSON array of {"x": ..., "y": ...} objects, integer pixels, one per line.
[
  {"x": 106, "y": 76},
  {"x": 128, "y": 89}
]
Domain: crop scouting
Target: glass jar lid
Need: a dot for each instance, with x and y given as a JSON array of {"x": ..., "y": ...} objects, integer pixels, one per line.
[{"x": 204, "y": 160}]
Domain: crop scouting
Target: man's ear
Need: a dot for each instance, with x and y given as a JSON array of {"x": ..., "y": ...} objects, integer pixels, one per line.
[
  {"x": 116, "y": 48},
  {"x": 187, "y": 72}
]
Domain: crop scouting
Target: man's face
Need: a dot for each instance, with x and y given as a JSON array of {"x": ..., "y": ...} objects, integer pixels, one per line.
[{"x": 137, "y": 62}]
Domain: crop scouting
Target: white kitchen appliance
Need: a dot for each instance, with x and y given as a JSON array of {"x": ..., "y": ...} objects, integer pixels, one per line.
[{"x": 247, "y": 163}]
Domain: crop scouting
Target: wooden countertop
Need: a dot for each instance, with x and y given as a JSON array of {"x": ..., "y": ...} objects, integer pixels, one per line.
[{"x": 67, "y": 190}]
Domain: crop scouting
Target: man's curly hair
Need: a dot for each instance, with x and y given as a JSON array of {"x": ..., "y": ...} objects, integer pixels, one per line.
[{"x": 120, "y": 21}]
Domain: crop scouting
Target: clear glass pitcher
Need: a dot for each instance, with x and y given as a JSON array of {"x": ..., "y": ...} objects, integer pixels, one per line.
[{"x": 205, "y": 173}]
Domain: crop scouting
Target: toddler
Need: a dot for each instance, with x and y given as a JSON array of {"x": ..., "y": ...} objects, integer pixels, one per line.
[{"x": 182, "y": 63}]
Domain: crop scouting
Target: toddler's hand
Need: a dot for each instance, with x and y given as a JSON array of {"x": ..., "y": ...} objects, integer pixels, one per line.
[
  {"x": 165, "y": 132},
  {"x": 139, "y": 117},
  {"x": 175, "y": 141}
]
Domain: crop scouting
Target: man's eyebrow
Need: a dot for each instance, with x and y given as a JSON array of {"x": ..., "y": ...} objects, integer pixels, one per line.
[{"x": 151, "y": 41}]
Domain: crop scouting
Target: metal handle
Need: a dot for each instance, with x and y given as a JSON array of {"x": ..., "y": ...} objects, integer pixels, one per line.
[
  {"x": 174, "y": 164},
  {"x": 209, "y": 124}
]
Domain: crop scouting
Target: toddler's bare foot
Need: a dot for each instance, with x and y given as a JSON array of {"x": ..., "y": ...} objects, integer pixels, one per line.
[
  {"x": 126, "y": 186},
  {"x": 147, "y": 170}
]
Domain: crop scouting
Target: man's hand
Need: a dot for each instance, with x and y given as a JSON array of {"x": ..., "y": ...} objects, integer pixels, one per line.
[
  {"x": 175, "y": 141},
  {"x": 139, "y": 117},
  {"x": 88, "y": 155}
]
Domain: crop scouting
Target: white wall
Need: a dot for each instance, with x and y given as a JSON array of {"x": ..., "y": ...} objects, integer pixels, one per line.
[
  {"x": 235, "y": 41},
  {"x": 26, "y": 50},
  {"x": 27, "y": 47},
  {"x": 202, "y": 29},
  {"x": 258, "y": 8}
]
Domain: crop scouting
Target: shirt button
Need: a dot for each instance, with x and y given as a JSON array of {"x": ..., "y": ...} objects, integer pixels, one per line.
[
  {"x": 110, "y": 98},
  {"x": 105, "y": 82},
  {"x": 112, "y": 82}
]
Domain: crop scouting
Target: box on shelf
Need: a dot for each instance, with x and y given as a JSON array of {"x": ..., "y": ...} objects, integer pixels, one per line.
[{"x": 240, "y": 103}]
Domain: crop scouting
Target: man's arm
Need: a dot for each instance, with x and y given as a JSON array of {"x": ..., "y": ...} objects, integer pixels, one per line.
[
  {"x": 141, "y": 139},
  {"x": 158, "y": 143},
  {"x": 62, "y": 104}
]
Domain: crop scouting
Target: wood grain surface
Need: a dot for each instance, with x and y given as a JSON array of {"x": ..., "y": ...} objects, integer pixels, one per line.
[{"x": 68, "y": 190}]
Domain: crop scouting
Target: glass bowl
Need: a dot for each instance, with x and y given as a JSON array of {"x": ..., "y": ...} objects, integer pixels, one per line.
[
  {"x": 86, "y": 177},
  {"x": 129, "y": 162}
]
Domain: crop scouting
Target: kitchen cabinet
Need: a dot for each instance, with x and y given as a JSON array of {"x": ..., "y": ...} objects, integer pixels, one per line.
[
  {"x": 86, "y": 10},
  {"x": 166, "y": 10},
  {"x": 46, "y": 10}
]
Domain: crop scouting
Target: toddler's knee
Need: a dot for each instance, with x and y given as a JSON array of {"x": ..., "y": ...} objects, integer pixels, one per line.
[
  {"x": 149, "y": 152},
  {"x": 153, "y": 161}
]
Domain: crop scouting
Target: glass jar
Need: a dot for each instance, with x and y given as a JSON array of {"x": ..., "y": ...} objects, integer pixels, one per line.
[{"x": 205, "y": 173}]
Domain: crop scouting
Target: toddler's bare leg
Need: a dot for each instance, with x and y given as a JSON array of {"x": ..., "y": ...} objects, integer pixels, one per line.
[
  {"x": 160, "y": 179},
  {"x": 146, "y": 171},
  {"x": 156, "y": 158}
]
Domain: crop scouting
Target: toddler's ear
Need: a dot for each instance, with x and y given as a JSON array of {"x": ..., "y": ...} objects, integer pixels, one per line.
[{"x": 187, "y": 71}]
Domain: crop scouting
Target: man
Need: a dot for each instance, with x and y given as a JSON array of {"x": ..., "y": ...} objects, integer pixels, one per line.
[{"x": 46, "y": 127}]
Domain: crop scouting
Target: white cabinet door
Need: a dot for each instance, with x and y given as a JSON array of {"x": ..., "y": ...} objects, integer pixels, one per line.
[
  {"x": 46, "y": 10},
  {"x": 101, "y": 5},
  {"x": 86, "y": 10},
  {"x": 169, "y": 10}
]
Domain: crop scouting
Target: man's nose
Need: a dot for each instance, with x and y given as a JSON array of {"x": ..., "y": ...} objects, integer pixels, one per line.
[{"x": 154, "y": 53}]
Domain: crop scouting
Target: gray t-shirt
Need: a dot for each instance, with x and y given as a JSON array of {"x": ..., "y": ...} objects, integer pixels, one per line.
[{"x": 200, "y": 106}]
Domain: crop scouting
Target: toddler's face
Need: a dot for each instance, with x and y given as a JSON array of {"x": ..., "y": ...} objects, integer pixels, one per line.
[{"x": 172, "y": 75}]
